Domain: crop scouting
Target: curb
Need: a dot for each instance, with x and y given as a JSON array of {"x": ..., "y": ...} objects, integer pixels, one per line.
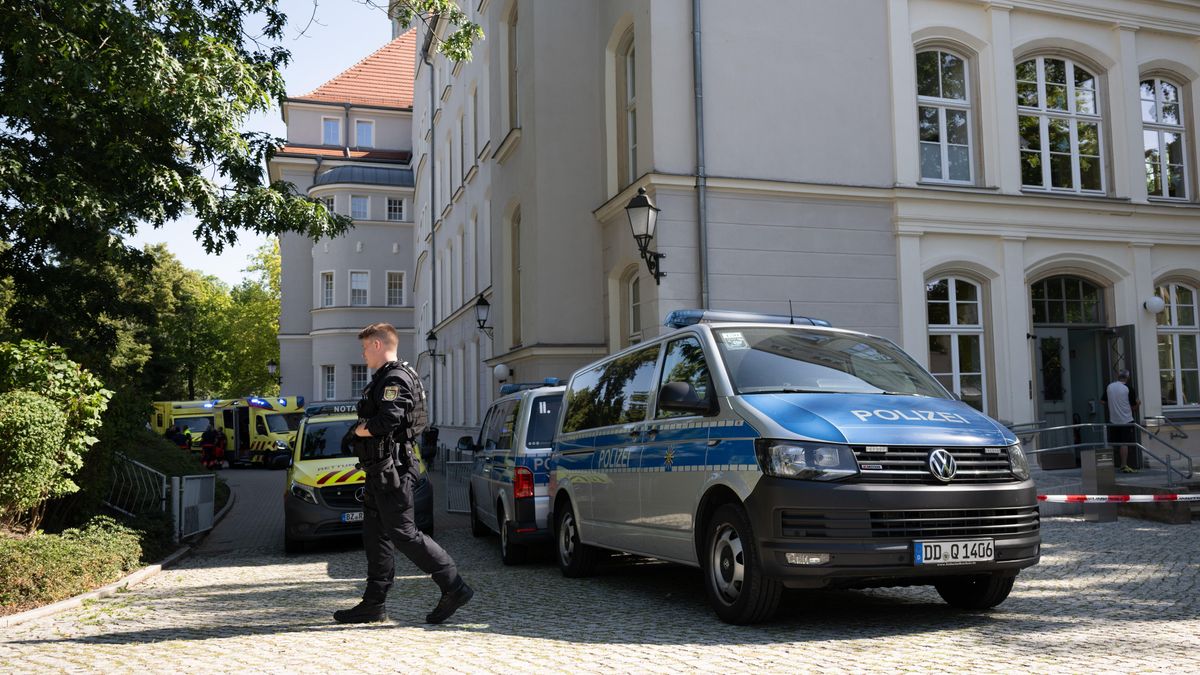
[{"x": 121, "y": 584}]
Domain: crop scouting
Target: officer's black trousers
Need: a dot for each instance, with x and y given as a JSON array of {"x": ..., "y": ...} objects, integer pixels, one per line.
[{"x": 389, "y": 525}]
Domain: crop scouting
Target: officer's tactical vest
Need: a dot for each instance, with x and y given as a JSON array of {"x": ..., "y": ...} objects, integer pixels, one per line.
[{"x": 418, "y": 415}]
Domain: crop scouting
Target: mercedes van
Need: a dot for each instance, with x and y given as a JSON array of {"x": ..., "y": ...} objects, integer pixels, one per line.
[{"x": 778, "y": 452}]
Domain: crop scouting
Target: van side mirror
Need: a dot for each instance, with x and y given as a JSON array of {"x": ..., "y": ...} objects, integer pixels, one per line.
[
  {"x": 465, "y": 444},
  {"x": 682, "y": 397}
]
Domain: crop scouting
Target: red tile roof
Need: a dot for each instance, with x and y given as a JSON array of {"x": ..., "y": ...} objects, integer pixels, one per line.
[
  {"x": 384, "y": 78},
  {"x": 343, "y": 153}
]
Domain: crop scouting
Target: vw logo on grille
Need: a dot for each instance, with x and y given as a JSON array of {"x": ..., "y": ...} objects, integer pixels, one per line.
[
  {"x": 360, "y": 495},
  {"x": 942, "y": 465}
]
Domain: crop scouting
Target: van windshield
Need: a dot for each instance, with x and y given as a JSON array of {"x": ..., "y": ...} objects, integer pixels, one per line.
[
  {"x": 282, "y": 423},
  {"x": 543, "y": 418},
  {"x": 794, "y": 360},
  {"x": 323, "y": 440}
]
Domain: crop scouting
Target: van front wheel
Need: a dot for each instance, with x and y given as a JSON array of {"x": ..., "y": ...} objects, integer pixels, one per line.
[
  {"x": 982, "y": 591},
  {"x": 737, "y": 588},
  {"x": 575, "y": 558}
]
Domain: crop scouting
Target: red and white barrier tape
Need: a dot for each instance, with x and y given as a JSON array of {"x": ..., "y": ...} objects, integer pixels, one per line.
[{"x": 1117, "y": 499}]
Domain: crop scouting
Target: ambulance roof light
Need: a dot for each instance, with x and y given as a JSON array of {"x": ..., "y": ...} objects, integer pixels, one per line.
[{"x": 681, "y": 318}]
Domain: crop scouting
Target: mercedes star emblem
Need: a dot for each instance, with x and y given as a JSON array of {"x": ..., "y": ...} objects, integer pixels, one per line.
[{"x": 360, "y": 495}]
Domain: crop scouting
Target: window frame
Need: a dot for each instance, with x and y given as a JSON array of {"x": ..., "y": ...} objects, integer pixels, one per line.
[
  {"x": 512, "y": 69},
  {"x": 634, "y": 284},
  {"x": 324, "y": 138},
  {"x": 955, "y": 331},
  {"x": 350, "y": 288},
  {"x": 942, "y": 105},
  {"x": 354, "y": 380},
  {"x": 403, "y": 288},
  {"x": 1045, "y": 114},
  {"x": 366, "y": 214},
  {"x": 626, "y": 100},
  {"x": 709, "y": 395},
  {"x": 1159, "y": 128},
  {"x": 1176, "y": 330},
  {"x": 514, "y": 229},
  {"x": 329, "y": 382},
  {"x": 358, "y": 125},
  {"x": 390, "y": 211},
  {"x": 327, "y": 295}
]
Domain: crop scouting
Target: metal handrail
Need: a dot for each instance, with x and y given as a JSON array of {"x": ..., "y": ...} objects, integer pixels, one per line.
[
  {"x": 1164, "y": 421},
  {"x": 1168, "y": 461}
]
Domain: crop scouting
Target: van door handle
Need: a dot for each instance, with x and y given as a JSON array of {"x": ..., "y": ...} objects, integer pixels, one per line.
[{"x": 635, "y": 434}]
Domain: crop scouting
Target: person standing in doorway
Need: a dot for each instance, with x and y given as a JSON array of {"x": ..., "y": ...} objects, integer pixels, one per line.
[
  {"x": 390, "y": 404},
  {"x": 1123, "y": 403}
]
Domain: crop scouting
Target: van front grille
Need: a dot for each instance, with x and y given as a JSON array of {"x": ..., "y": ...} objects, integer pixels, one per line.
[
  {"x": 911, "y": 465},
  {"x": 919, "y": 524},
  {"x": 342, "y": 496}
]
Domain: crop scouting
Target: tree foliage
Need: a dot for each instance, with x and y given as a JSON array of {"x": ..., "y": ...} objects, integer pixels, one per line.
[
  {"x": 457, "y": 40},
  {"x": 32, "y": 428}
]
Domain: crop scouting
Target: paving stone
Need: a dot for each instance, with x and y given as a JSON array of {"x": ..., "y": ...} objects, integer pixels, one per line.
[{"x": 1114, "y": 597}]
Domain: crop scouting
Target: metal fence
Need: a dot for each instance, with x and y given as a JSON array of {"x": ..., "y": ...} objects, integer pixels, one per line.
[
  {"x": 458, "y": 484},
  {"x": 194, "y": 502},
  {"x": 136, "y": 488}
]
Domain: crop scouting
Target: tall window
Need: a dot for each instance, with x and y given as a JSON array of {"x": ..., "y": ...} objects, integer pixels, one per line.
[
  {"x": 327, "y": 289},
  {"x": 358, "y": 378},
  {"x": 635, "y": 309},
  {"x": 464, "y": 158},
  {"x": 1162, "y": 135},
  {"x": 360, "y": 207},
  {"x": 514, "y": 111},
  {"x": 328, "y": 202},
  {"x": 395, "y": 289},
  {"x": 359, "y": 283},
  {"x": 395, "y": 209},
  {"x": 626, "y": 111},
  {"x": 1058, "y": 118},
  {"x": 1178, "y": 335},
  {"x": 364, "y": 133},
  {"x": 944, "y": 117},
  {"x": 331, "y": 131},
  {"x": 516, "y": 277},
  {"x": 955, "y": 316},
  {"x": 475, "y": 122},
  {"x": 330, "y": 384}
]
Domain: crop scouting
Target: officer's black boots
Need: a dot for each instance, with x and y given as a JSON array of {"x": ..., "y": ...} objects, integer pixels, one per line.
[
  {"x": 450, "y": 602},
  {"x": 364, "y": 612}
]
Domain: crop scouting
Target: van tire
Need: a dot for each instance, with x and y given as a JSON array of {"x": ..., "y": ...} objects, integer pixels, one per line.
[
  {"x": 510, "y": 553},
  {"x": 575, "y": 558},
  {"x": 729, "y": 548},
  {"x": 478, "y": 529},
  {"x": 981, "y": 591}
]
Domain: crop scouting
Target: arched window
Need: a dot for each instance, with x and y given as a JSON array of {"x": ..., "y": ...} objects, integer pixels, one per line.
[
  {"x": 635, "y": 309},
  {"x": 1067, "y": 300},
  {"x": 1178, "y": 335},
  {"x": 1162, "y": 136},
  {"x": 1058, "y": 118},
  {"x": 954, "y": 309},
  {"x": 627, "y": 102},
  {"x": 944, "y": 117}
]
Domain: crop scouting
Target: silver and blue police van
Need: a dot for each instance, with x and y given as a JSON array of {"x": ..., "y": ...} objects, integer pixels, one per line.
[
  {"x": 510, "y": 477},
  {"x": 778, "y": 452}
]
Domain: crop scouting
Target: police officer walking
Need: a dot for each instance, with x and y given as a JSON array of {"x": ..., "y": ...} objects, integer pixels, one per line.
[{"x": 385, "y": 451}]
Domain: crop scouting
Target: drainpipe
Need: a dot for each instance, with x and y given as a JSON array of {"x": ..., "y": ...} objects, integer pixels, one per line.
[
  {"x": 701, "y": 174},
  {"x": 433, "y": 305},
  {"x": 346, "y": 127}
]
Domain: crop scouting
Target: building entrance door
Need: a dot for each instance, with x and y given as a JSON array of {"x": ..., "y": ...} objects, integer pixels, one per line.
[{"x": 1053, "y": 376}]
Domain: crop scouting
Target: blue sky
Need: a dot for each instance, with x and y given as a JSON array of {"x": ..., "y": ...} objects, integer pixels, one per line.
[{"x": 340, "y": 34}]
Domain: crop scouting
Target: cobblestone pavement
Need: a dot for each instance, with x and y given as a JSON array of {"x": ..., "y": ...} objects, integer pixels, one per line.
[{"x": 1106, "y": 598}]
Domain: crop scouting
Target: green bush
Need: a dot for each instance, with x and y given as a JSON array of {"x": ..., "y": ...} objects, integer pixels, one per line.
[
  {"x": 156, "y": 533},
  {"x": 31, "y": 433},
  {"x": 79, "y": 395},
  {"x": 45, "y": 568}
]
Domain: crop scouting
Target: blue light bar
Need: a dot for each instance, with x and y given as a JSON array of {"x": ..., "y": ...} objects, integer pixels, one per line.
[
  {"x": 513, "y": 388},
  {"x": 681, "y": 318}
]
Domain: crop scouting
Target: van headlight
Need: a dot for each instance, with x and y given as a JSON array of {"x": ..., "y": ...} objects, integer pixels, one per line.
[
  {"x": 1018, "y": 462},
  {"x": 805, "y": 461},
  {"x": 303, "y": 492}
]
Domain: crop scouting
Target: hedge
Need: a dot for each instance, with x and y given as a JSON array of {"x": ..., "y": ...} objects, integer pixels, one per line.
[
  {"x": 44, "y": 568},
  {"x": 31, "y": 433}
]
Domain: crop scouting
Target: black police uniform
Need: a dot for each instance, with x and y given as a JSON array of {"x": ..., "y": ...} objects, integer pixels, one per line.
[{"x": 388, "y": 517}]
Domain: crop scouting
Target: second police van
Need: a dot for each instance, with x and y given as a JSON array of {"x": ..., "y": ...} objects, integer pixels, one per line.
[{"x": 778, "y": 456}]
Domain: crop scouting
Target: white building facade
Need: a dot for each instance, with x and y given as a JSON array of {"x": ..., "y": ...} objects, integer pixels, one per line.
[
  {"x": 1001, "y": 187},
  {"x": 349, "y": 145}
]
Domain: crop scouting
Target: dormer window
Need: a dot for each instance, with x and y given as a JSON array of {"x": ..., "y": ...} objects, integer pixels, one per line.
[
  {"x": 364, "y": 134},
  {"x": 331, "y": 131}
]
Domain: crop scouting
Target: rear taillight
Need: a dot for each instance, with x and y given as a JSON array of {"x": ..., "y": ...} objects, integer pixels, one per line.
[{"x": 522, "y": 483}]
